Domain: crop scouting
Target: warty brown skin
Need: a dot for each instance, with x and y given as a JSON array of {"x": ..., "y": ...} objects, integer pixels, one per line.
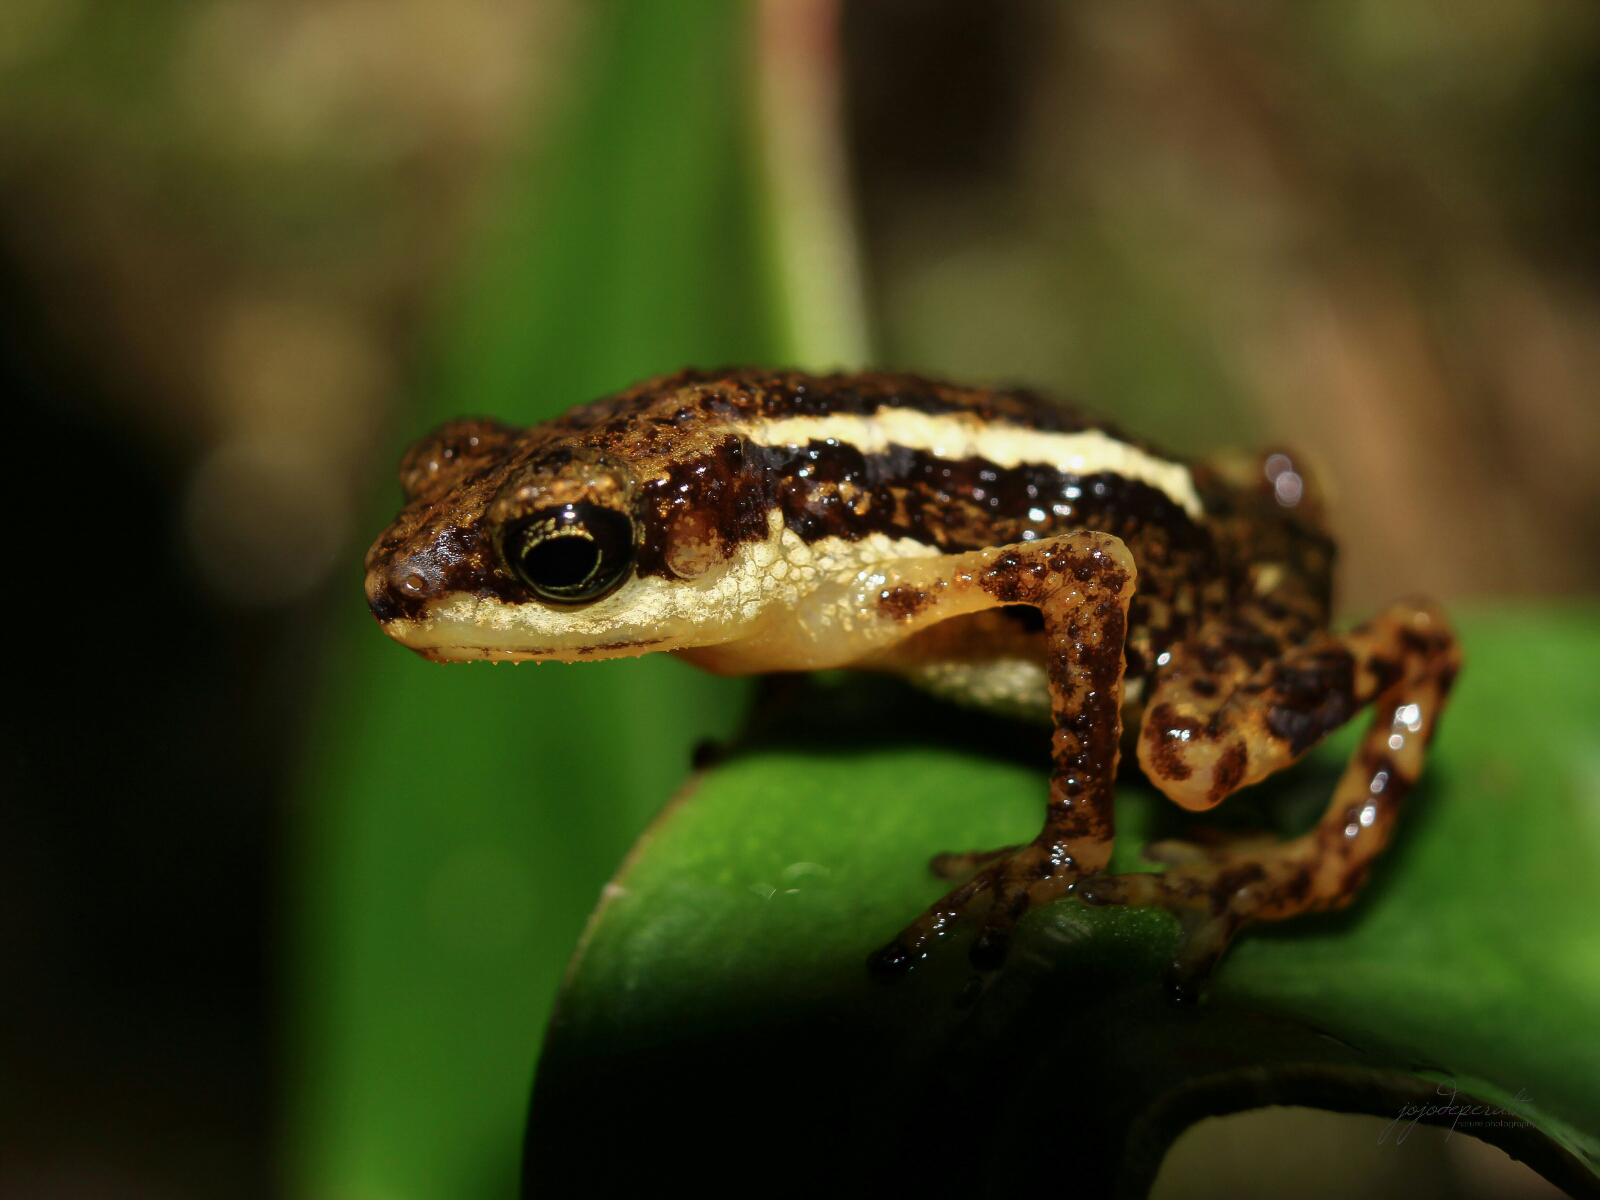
[{"x": 1191, "y": 600}]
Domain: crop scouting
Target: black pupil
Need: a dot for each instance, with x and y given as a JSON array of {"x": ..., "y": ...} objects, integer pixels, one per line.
[
  {"x": 572, "y": 554},
  {"x": 561, "y": 562}
]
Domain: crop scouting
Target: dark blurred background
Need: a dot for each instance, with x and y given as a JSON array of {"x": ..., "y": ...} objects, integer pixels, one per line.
[{"x": 1365, "y": 228}]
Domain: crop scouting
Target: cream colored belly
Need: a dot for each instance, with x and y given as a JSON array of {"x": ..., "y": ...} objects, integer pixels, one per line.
[
  {"x": 1009, "y": 687},
  {"x": 1012, "y": 687}
]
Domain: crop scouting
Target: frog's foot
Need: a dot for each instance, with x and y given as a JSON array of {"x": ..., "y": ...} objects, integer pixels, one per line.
[
  {"x": 1214, "y": 848},
  {"x": 1015, "y": 880},
  {"x": 962, "y": 865},
  {"x": 1209, "y": 897},
  {"x": 1081, "y": 584}
]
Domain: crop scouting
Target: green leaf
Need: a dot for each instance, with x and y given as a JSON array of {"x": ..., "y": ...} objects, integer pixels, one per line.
[{"x": 719, "y": 1014}]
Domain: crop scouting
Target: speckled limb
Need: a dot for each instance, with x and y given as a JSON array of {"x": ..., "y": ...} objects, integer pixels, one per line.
[
  {"x": 1081, "y": 584},
  {"x": 1403, "y": 662},
  {"x": 1243, "y": 698},
  {"x": 961, "y": 864}
]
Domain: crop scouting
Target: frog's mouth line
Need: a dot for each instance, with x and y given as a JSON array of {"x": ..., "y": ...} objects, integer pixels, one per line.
[
  {"x": 476, "y": 629},
  {"x": 438, "y": 642}
]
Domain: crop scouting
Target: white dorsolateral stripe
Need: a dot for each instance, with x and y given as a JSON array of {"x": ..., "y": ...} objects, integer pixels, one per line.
[{"x": 958, "y": 435}]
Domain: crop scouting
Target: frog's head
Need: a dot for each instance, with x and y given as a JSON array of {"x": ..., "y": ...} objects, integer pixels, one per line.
[{"x": 604, "y": 534}]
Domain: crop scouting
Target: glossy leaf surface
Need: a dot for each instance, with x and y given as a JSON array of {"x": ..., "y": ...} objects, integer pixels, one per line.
[{"x": 719, "y": 1015}]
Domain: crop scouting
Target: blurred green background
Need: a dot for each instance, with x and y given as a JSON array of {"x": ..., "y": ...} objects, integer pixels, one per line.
[{"x": 282, "y": 908}]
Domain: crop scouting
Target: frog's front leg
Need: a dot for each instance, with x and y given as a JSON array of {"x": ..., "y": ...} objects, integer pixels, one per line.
[
  {"x": 1403, "y": 662},
  {"x": 896, "y": 615},
  {"x": 1081, "y": 583}
]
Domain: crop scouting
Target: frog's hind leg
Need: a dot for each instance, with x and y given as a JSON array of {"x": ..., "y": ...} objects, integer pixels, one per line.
[
  {"x": 1081, "y": 584},
  {"x": 1403, "y": 662}
]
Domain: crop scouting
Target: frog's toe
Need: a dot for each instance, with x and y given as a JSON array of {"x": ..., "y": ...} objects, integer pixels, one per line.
[
  {"x": 1174, "y": 852},
  {"x": 1187, "y": 890},
  {"x": 1026, "y": 879},
  {"x": 1014, "y": 880},
  {"x": 962, "y": 865},
  {"x": 892, "y": 960},
  {"x": 1141, "y": 888},
  {"x": 888, "y": 963}
]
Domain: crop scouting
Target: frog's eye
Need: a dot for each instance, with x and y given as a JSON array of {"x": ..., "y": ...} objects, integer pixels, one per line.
[{"x": 571, "y": 554}]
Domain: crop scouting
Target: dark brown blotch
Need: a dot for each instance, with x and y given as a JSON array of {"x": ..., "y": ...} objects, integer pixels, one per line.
[
  {"x": 1311, "y": 698},
  {"x": 1296, "y": 887},
  {"x": 903, "y": 602},
  {"x": 1164, "y": 728},
  {"x": 1229, "y": 770},
  {"x": 1230, "y": 881},
  {"x": 699, "y": 510}
]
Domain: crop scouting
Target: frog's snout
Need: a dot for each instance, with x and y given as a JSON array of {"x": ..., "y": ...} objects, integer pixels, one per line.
[
  {"x": 404, "y": 575},
  {"x": 400, "y": 586}
]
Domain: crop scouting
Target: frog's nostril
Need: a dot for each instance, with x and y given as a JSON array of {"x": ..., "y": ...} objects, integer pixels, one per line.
[
  {"x": 401, "y": 587},
  {"x": 413, "y": 577}
]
